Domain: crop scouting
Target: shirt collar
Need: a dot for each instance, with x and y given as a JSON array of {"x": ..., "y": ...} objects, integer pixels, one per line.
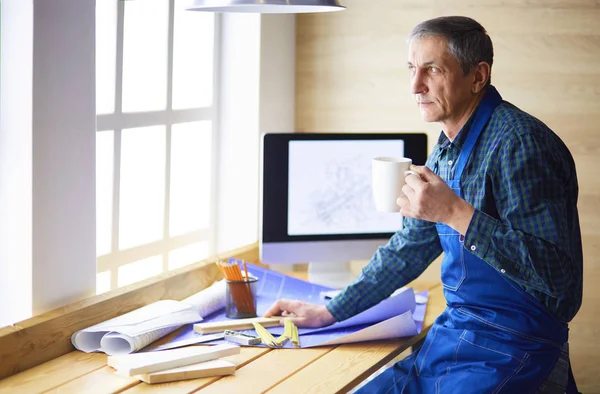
[{"x": 459, "y": 141}]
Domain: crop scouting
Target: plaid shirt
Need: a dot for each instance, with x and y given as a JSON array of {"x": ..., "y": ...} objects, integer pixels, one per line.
[{"x": 521, "y": 181}]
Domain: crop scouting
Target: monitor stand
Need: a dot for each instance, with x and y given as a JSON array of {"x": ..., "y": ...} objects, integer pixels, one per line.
[{"x": 332, "y": 274}]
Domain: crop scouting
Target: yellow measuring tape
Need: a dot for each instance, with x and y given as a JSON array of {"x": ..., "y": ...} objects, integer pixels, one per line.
[
  {"x": 290, "y": 332},
  {"x": 265, "y": 336}
]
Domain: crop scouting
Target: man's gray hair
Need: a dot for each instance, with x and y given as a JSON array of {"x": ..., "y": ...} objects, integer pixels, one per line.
[{"x": 467, "y": 40}]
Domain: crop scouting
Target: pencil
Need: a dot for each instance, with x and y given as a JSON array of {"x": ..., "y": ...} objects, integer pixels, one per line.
[
  {"x": 245, "y": 270},
  {"x": 241, "y": 295}
]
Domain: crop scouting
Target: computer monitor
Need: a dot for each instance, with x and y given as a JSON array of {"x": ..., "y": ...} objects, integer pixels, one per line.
[{"x": 317, "y": 203}]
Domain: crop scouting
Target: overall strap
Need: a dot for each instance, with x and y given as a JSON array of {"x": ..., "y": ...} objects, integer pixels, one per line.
[{"x": 486, "y": 107}]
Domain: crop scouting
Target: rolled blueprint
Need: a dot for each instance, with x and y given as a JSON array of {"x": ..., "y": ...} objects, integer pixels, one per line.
[
  {"x": 134, "y": 330},
  {"x": 208, "y": 300}
]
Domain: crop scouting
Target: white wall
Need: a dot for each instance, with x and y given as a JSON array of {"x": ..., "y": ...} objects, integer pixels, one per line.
[
  {"x": 15, "y": 160},
  {"x": 238, "y": 87},
  {"x": 47, "y": 156},
  {"x": 278, "y": 83},
  {"x": 277, "y": 73},
  {"x": 257, "y": 86}
]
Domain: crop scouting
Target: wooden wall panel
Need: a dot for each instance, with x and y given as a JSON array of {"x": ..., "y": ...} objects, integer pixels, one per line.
[{"x": 351, "y": 76}]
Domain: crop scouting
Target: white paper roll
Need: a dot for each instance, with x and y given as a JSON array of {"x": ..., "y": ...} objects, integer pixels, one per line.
[{"x": 208, "y": 300}]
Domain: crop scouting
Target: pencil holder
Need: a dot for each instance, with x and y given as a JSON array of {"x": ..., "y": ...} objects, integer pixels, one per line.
[{"x": 240, "y": 298}]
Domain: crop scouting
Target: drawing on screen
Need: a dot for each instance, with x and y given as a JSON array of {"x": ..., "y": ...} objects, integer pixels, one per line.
[
  {"x": 344, "y": 197},
  {"x": 330, "y": 188}
]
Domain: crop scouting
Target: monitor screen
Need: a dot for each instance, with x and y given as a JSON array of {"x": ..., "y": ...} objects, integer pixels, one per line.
[{"x": 317, "y": 203}]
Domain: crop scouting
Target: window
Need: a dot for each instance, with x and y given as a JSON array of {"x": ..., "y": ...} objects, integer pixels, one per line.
[
  {"x": 156, "y": 127},
  {"x": 184, "y": 151}
]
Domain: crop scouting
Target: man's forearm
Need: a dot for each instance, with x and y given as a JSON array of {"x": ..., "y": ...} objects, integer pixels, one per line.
[{"x": 460, "y": 216}]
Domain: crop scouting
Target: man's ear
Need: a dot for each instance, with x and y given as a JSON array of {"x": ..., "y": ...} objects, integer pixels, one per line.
[{"x": 481, "y": 74}]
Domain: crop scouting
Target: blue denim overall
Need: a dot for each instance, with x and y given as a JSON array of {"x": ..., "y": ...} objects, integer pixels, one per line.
[{"x": 493, "y": 337}]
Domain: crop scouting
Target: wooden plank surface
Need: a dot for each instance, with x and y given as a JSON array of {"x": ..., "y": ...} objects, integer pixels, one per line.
[
  {"x": 101, "y": 381},
  {"x": 105, "y": 380},
  {"x": 247, "y": 356},
  {"x": 239, "y": 324},
  {"x": 148, "y": 362},
  {"x": 205, "y": 369},
  {"x": 53, "y": 373},
  {"x": 267, "y": 371},
  {"x": 348, "y": 365}
]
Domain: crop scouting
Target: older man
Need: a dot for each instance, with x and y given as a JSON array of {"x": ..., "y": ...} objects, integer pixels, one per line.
[{"x": 498, "y": 196}]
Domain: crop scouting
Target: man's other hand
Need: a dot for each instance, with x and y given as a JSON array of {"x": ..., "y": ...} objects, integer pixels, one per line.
[
  {"x": 302, "y": 314},
  {"x": 428, "y": 197}
]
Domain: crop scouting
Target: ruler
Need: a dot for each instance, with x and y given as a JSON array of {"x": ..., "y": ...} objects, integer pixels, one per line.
[
  {"x": 190, "y": 341},
  {"x": 232, "y": 324}
]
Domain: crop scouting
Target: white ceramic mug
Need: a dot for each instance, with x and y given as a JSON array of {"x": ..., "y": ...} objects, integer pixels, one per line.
[{"x": 387, "y": 181}]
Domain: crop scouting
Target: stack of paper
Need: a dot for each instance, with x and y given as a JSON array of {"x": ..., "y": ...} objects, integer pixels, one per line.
[{"x": 176, "y": 364}]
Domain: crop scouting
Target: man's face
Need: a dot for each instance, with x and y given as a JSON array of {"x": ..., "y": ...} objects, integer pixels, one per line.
[{"x": 441, "y": 90}]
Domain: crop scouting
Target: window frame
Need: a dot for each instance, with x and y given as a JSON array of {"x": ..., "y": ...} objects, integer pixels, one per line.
[{"x": 119, "y": 121}]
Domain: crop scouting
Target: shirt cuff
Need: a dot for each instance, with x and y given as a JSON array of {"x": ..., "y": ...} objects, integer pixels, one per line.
[
  {"x": 331, "y": 307},
  {"x": 479, "y": 234},
  {"x": 338, "y": 307}
]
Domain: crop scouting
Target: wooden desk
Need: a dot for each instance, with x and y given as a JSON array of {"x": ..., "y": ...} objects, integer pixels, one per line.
[{"x": 331, "y": 369}]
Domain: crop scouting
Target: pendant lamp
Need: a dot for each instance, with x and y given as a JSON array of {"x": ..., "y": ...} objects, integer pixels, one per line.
[{"x": 266, "y": 6}]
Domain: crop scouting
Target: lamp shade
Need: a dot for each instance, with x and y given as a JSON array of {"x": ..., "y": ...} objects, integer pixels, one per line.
[{"x": 266, "y": 6}]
